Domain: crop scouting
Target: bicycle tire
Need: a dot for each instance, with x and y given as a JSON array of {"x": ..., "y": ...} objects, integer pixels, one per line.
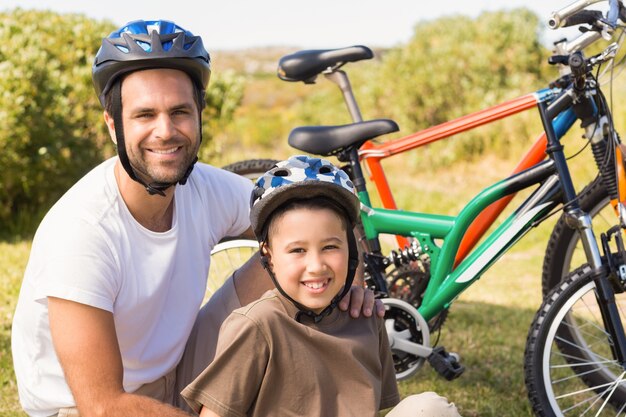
[
  {"x": 564, "y": 249},
  {"x": 229, "y": 254},
  {"x": 251, "y": 168},
  {"x": 568, "y": 361},
  {"x": 226, "y": 257}
]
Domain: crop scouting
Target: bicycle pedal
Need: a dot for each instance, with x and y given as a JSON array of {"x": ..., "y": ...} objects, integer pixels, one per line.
[{"x": 446, "y": 364}]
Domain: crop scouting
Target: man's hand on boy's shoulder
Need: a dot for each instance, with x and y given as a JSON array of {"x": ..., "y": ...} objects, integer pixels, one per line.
[{"x": 359, "y": 300}]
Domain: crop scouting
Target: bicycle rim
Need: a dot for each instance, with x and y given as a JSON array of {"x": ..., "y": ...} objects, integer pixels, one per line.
[
  {"x": 226, "y": 257},
  {"x": 578, "y": 371}
]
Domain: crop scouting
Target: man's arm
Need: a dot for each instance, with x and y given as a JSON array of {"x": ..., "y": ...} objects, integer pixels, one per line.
[{"x": 85, "y": 341}]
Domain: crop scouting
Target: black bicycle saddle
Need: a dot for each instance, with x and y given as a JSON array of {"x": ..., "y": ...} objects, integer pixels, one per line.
[{"x": 306, "y": 65}]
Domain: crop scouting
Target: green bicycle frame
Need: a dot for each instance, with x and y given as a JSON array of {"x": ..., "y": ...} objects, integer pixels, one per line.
[{"x": 440, "y": 236}]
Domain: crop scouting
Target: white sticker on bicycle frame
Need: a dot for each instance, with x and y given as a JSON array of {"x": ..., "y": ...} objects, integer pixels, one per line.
[{"x": 474, "y": 269}]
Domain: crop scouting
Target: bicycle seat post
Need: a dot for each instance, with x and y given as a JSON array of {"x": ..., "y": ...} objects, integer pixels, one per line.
[{"x": 341, "y": 79}]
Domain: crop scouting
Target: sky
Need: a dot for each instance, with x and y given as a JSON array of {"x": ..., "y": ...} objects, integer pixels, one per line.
[{"x": 241, "y": 24}]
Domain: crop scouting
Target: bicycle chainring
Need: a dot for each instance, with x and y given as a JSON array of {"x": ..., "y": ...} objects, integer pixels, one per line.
[
  {"x": 403, "y": 321},
  {"x": 408, "y": 283}
]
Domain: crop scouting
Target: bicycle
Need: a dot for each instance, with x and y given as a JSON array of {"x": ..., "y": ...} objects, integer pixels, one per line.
[{"x": 441, "y": 246}]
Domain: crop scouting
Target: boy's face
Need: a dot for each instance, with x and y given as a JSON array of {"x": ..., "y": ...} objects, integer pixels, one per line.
[{"x": 308, "y": 253}]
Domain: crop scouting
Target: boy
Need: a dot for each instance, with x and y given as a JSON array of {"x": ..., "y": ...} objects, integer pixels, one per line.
[{"x": 292, "y": 352}]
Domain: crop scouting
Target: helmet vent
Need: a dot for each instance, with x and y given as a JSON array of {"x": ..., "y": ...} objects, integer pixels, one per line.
[
  {"x": 282, "y": 173},
  {"x": 325, "y": 170}
]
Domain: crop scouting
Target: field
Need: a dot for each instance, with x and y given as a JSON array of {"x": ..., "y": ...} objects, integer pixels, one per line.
[{"x": 487, "y": 325}]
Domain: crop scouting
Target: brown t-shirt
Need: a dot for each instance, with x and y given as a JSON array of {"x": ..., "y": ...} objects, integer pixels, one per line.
[{"x": 269, "y": 364}]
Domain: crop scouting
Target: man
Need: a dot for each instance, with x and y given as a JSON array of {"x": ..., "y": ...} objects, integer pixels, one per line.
[{"x": 105, "y": 319}]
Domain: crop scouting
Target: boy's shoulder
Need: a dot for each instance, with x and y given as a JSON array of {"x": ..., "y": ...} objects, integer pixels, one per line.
[
  {"x": 263, "y": 309},
  {"x": 272, "y": 309}
]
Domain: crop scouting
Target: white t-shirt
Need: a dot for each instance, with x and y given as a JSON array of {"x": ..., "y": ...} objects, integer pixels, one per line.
[{"x": 90, "y": 249}]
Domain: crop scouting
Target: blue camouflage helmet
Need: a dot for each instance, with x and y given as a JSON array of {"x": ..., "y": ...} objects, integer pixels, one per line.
[{"x": 299, "y": 177}]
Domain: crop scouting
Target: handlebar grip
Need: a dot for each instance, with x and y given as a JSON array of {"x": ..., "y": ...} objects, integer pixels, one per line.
[
  {"x": 558, "y": 18},
  {"x": 582, "y": 17}
]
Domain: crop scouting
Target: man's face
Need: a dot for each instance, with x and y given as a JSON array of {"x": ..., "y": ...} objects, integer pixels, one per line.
[{"x": 161, "y": 123}]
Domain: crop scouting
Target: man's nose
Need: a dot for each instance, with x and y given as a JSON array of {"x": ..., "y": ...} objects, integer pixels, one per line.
[{"x": 164, "y": 128}]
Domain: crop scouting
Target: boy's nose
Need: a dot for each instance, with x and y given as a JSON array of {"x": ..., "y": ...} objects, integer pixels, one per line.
[{"x": 315, "y": 262}]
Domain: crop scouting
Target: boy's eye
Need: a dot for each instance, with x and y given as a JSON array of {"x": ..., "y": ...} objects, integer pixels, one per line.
[
  {"x": 296, "y": 250},
  {"x": 331, "y": 247}
]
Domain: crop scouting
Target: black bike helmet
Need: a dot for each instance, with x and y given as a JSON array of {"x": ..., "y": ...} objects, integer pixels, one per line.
[
  {"x": 150, "y": 44},
  {"x": 142, "y": 45},
  {"x": 300, "y": 178}
]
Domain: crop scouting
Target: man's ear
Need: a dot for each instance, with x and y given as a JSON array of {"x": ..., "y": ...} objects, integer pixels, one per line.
[{"x": 108, "y": 119}]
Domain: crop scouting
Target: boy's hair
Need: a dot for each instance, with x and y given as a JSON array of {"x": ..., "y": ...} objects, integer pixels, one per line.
[{"x": 314, "y": 203}]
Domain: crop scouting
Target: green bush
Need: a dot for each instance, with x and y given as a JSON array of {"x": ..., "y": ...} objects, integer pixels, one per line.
[
  {"x": 51, "y": 127},
  {"x": 51, "y": 131},
  {"x": 458, "y": 65}
]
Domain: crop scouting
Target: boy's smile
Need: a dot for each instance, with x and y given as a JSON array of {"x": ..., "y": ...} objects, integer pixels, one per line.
[{"x": 308, "y": 252}]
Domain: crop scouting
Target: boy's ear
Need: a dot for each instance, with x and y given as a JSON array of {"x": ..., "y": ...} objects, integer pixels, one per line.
[{"x": 266, "y": 253}]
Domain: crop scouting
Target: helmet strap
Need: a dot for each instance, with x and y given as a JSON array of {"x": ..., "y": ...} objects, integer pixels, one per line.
[{"x": 153, "y": 187}]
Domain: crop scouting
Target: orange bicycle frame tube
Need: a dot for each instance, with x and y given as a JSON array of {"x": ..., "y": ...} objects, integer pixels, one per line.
[{"x": 373, "y": 153}]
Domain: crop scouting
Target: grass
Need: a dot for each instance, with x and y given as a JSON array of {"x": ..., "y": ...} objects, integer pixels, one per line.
[
  {"x": 13, "y": 257},
  {"x": 487, "y": 325}
]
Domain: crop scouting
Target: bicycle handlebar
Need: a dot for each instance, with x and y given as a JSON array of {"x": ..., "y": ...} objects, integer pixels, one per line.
[
  {"x": 601, "y": 27},
  {"x": 559, "y": 18}
]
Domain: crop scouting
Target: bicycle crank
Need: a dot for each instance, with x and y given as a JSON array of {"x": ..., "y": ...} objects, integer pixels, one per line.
[
  {"x": 409, "y": 340},
  {"x": 409, "y": 337}
]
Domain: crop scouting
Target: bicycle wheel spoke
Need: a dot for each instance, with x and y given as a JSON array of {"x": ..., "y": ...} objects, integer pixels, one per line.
[
  {"x": 606, "y": 400},
  {"x": 578, "y": 375},
  {"x": 585, "y": 390},
  {"x": 226, "y": 257},
  {"x": 573, "y": 376},
  {"x": 593, "y": 312},
  {"x": 593, "y": 400},
  {"x": 578, "y": 360},
  {"x": 578, "y": 346}
]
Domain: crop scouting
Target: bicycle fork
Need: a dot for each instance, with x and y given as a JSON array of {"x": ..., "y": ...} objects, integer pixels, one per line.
[
  {"x": 605, "y": 294},
  {"x": 581, "y": 221}
]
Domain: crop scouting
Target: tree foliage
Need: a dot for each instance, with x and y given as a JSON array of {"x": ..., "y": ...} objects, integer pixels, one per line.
[
  {"x": 51, "y": 126},
  {"x": 455, "y": 65},
  {"x": 458, "y": 65},
  {"x": 224, "y": 96},
  {"x": 50, "y": 120}
]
